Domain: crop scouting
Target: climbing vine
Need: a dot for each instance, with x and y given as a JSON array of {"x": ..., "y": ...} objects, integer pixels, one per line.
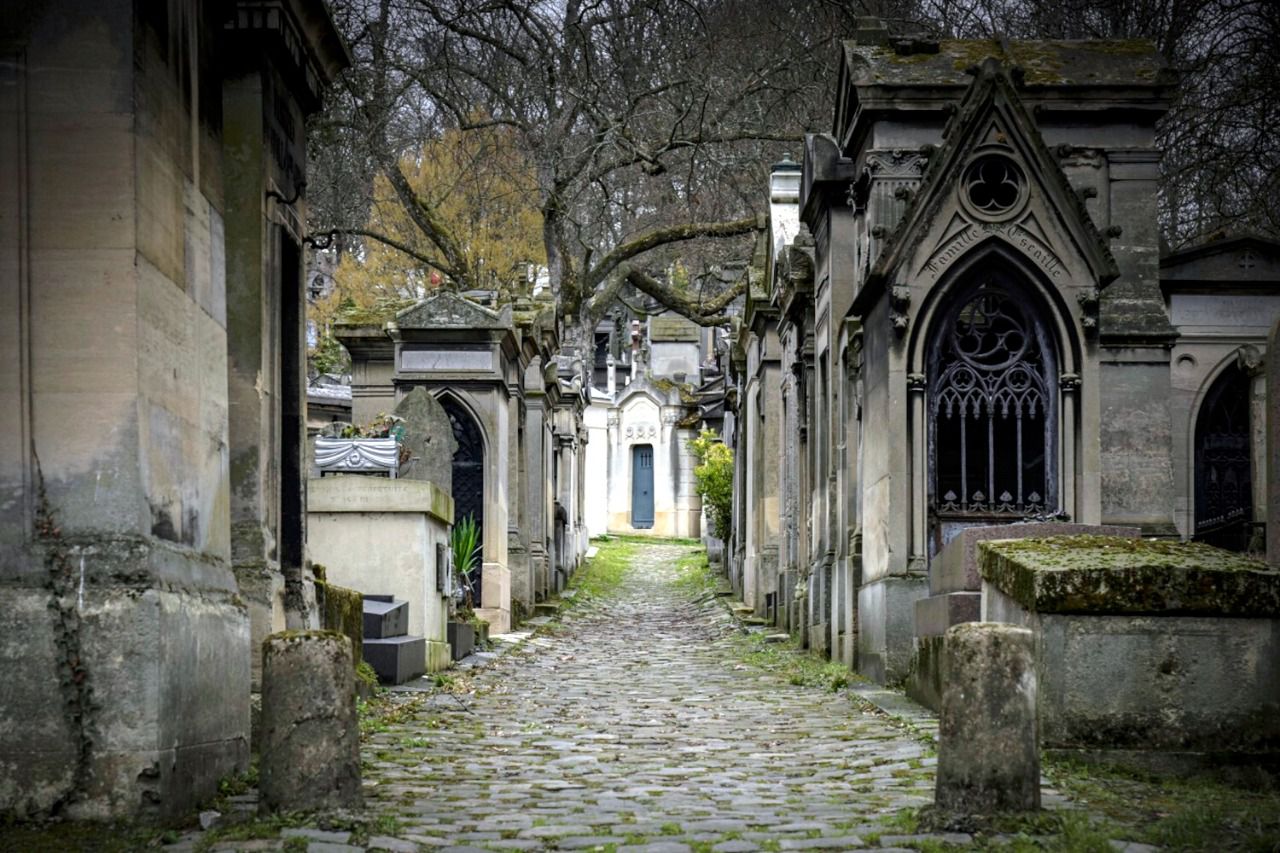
[{"x": 66, "y": 596}]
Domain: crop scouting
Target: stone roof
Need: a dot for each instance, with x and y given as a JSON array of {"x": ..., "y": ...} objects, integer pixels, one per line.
[
  {"x": 1043, "y": 63},
  {"x": 1238, "y": 260},
  {"x": 447, "y": 310}
]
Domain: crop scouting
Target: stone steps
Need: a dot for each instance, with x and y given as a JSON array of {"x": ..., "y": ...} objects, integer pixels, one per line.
[{"x": 388, "y": 648}]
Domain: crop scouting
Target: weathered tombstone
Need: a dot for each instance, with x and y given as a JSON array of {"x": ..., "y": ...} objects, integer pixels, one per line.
[
  {"x": 310, "y": 742},
  {"x": 1273, "y": 447},
  {"x": 429, "y": 437},
  {"x": 988, "y": 748}
]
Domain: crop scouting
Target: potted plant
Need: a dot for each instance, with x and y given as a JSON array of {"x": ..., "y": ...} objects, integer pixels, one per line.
[
  {"x": 375, "y": 447},
  {"x": 464, "y": 540}
]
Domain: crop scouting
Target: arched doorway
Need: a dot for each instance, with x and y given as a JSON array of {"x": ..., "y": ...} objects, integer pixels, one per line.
[
  {"x": 468, "y": 473},
  {"x": 1224, "y": 464},
  {"x": 992, "y": 409}
]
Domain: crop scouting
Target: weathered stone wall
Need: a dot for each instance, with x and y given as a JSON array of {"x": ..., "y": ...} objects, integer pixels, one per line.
[
  {"x": 126, "y": 650},
  {"x": 1135, "y": 436},
  {"x": 887, "y": 596}
]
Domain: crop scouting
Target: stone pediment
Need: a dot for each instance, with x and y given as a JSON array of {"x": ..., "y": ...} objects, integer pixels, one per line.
[
  {"x": 640, "y": 387},
  {"x": 993, "y": 178},
  {"x": 448, "y": 310},
  {"x": 1236, "y": 261}
]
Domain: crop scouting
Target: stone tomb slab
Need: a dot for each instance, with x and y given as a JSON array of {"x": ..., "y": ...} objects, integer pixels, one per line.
[
  {"x": 955, "y": 594},
  {"x": 955, "y": 567},
  {"x": 1145, "y": 648}
]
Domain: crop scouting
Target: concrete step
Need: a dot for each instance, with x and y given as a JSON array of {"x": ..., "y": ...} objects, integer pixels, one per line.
[
  {"x": 385, "y": 617},
  {"x": 396, "y": 659}
]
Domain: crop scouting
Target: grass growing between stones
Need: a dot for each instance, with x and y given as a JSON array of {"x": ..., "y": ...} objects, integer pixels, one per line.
[
  {"x": 385, "y": 710},
  {"x": 693, "y": 575},
  {"x": 600, "y": 576},
  {"x": 1174, "y": 813},
  {"x": 793, "y": 664}
]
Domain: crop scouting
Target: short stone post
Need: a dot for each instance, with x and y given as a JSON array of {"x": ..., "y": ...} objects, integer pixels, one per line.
[
  {"x": 310, "y": 741},
  {"x": 988, "y": 750}
]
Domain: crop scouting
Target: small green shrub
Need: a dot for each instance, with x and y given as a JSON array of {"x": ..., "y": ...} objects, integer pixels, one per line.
[
  {"x": 713, "y": 478},
  {"x": 465, "y": 543}
]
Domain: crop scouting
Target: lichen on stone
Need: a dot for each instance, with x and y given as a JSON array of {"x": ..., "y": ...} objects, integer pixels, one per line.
[{"x": 1107, "y": 574}]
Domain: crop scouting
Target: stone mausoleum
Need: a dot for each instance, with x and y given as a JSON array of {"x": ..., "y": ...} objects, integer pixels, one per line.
[
  {"x": 645, "y": 409},
  {"x": 962, "y": 316},
  {"x": 516, "y": 411},
  {"x": 152, "y": 210}
]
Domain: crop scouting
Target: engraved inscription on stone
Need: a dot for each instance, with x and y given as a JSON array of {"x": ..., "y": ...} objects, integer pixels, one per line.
[
  {"x": 446, "y": 358},
  {"x": 1199, "y": 309},
  {"x": 675, "y": 329}
]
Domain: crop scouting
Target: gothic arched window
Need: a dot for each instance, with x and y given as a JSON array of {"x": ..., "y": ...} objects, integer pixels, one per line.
[
  {"x": 992, "y": 408},
  {"x": 1223, "y": 464}
]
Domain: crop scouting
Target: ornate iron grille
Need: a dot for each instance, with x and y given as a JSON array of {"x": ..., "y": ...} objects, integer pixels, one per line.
[
  {"x": 468, "y": 472},
  {"x": 1224, "y": 467},
  {"x": 992, "y": 401}
]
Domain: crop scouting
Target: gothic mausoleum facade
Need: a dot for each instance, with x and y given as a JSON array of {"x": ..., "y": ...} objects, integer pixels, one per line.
[{"x": 961, "y": 317}]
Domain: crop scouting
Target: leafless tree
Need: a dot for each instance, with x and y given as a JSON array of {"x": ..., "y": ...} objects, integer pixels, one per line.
[
  {"x": 650, "y": 123},
  {"x": 1221, "y": 166}
]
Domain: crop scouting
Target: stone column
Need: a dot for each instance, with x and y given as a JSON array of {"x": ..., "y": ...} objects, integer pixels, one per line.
[
  {"x": 1273, "y": 447},
  {"x": 988, "y": 749},
  {"x": 310, "y": 737}
]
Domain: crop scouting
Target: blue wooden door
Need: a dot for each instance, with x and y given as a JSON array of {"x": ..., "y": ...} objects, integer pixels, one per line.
[{"x": 642, "y": 485}]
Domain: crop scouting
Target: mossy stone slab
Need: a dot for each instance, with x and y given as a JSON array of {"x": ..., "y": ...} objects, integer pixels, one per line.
[{"x": 1113, "y": 575}]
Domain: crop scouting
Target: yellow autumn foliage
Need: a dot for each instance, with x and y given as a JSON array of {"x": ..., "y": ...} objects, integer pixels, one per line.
[{"x": 482, "y": 189}]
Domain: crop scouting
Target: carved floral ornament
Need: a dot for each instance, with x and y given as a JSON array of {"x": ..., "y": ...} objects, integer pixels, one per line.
[
  {"x": 641, "y": 431},
  {"x": 899, "y": 162}
]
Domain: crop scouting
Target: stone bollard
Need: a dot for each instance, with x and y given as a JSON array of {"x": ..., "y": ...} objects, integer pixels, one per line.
[
  {"x": 988, "y": 746},
  {"x": 310, "y": 740}
]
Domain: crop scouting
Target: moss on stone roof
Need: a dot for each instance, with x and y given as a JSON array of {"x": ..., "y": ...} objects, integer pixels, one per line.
[
  {"x": 1108, "y": 574},
  {"x": 1044, "y": 63}
]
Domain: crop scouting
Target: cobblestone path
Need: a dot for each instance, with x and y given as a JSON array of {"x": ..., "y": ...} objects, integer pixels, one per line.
[{"x": 637, "y": 726}]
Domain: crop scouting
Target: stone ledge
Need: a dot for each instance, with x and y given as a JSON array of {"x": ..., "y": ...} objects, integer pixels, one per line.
[
  {"x": 1113, "y": 575},
  {"x": 358, "y": 493},
  {"x": 955, "y": 567}
]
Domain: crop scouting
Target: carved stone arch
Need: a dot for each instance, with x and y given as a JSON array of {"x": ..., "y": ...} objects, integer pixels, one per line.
[
  {"x": 990, "y": 387},
  {"x": 470, "y": 472},
  {"x": 1221, "y": 456},
  {"x": 995, "y": 251}
]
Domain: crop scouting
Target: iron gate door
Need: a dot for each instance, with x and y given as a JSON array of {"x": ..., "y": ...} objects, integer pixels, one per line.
[
  {"x": 1224, "y": 464},
  {"x": 642, "y": 486}
]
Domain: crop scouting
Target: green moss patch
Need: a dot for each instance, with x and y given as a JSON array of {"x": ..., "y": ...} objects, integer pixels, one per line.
[{"x": 1108, "y": 574}]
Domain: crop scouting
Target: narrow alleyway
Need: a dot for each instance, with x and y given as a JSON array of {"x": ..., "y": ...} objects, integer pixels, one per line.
[{"x": 635, "y": 723}]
